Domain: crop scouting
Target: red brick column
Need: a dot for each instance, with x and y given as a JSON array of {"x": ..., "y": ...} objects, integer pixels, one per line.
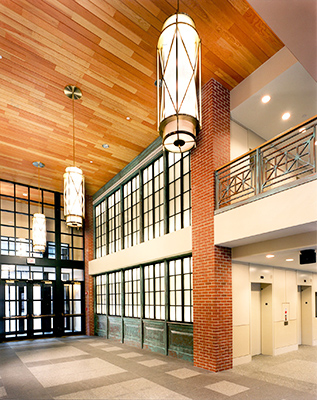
[
  {"x": 89, "y": 255},
  {"x": 212, "y": 273}
]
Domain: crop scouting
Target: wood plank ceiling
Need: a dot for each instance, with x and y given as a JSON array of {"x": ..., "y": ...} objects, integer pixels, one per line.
[{"x": 108, "y": 49}]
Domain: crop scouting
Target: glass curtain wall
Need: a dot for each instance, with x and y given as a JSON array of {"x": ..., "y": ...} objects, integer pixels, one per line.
[
  {"x": 148, "y": 282},
  {"x": 155, "y": 201}
]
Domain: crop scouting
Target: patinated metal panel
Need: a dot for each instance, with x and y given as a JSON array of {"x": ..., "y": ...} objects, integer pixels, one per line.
[
  {"x": 180, "y": 341},
  {"x": 114, "y": 328},
  {"x": 154, "y": 334},
  {"x": 132, "y": 331},
  {"x": 101, "y": 325}
]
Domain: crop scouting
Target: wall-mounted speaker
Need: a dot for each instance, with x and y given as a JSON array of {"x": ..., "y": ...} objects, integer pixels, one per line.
[{"x": 307, "y": 256}]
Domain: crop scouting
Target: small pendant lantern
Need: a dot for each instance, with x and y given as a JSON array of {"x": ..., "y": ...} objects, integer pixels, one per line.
[
  {"x": 39, "y": 222},
  {"x": 179, "y": 83},
  {"x": 74, "y": 181}
]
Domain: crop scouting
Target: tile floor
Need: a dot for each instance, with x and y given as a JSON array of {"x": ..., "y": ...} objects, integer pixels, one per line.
[{"x": 95, "y": 368}]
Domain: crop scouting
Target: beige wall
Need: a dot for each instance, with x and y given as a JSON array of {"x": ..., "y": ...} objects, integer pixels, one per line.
[
  {"x": 279, "y": 289},
  {"x": 242, "y": 140},
  {"x": 280, "y": 214},
  {"x": 171, "y": 245}
]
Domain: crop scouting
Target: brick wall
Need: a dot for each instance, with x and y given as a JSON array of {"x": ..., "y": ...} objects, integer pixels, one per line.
[
  {"x": 212, "y": 273},
  {"x": 89, "y": 255}
]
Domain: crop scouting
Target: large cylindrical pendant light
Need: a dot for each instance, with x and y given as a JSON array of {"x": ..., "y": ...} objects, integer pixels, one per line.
[
  {"x": 39, "y": 222},
  {"x": 179, "y": 83},
  {"x": 74, "y": 181}
]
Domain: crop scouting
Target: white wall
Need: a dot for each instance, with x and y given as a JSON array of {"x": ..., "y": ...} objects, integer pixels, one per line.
[
  {"x": 284, "y": 285},
  {"x": 242, "y": 140}
]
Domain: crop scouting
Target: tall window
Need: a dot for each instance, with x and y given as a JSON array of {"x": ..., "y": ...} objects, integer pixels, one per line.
[
  {"x": 181, "y": 290},
  {"x": 135, "y": 213},
  {"x": 114, "y": 222},
  {"x": 18, "y": 203},
  {"x": 154, "y": 291},
  {"x": 72, "y": 240},
  {"x": 101, "y": 230},
  {"x": 153, "y": 200},
  {"x": 115, "y": 293},
  {"x": 101, "y": 294},
  {"x": 179, "y": 190},
  {"x": 131, "y": 213},
  {"x": 132, "y": 293}
]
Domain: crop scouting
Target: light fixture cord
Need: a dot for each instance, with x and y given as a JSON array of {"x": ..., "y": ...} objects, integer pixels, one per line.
[
  {"x": 38, "y": 179},
  {"x": 73, "y": 97},
  {"x": 177, "y": 110}
]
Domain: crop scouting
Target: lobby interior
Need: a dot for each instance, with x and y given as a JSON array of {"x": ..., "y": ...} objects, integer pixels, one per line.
[{"x": 245, "y": 326}]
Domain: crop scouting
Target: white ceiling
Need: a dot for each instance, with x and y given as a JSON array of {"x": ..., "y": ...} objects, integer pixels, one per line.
[
  {"x": 294, "y": 89},
  {"x": 279, "y": 259}
]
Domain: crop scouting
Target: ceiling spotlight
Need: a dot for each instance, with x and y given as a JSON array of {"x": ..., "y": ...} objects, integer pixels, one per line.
[
  {"x": 91, "y": 162},
  {"x": 128, "y": 118},
  {"x": 270, "y": 256},
  {"x": 266, "y": 98},
  {"x": 24, "y": 194},
  {"x": 105, "y": 146},
  {"x": 286, "y": 116},
  {"x": 289, "y": 259}
]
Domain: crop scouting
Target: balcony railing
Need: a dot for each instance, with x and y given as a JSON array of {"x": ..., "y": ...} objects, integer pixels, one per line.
[{"x": 286, "y": 158}]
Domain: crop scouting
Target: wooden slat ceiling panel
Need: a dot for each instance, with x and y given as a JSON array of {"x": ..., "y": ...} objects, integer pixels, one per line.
[{"x": 108, "y": 49}]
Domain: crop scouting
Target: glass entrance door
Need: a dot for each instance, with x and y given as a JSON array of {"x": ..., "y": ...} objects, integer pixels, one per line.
[
  {"x": 28, "y": 309},
  {"x": 42, "y": 316},
  {"x": 15, "y": 309},
  {"x": 72, "y": 307}
]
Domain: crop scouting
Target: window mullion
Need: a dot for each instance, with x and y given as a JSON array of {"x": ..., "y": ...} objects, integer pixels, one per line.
[
  {"x": 182, "y": 190},
  {"x": 121, "y": 218},
  {"x": 166, "y": 192},
  {"x": 141, "y": 207}
]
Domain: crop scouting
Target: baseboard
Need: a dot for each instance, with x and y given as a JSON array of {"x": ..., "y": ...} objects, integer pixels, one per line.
[
  {"x": 242, "y": 360},
  {"x": 286, "y": 349}
]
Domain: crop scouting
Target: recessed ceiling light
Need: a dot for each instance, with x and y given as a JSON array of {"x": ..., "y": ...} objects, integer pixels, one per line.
[
  {"x": 0, "y": 57},
  {"x": 91, "y": 162},
  {"x": 289, "y": 259},
  {"x": 286, "y": 116},
  {"x": 24, "y": 194},
  {"x": 128, "y": 118},
  {"x": 270, "y": 256},
  {"x": 266, "y": 98},
  {"x": 105, "y": 146}
]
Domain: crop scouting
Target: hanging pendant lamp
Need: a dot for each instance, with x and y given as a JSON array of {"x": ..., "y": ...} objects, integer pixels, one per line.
[
  {"x": 74, "y": 181},
  {"x": 39, "y": 222},
  {"x": 179, "y": 83}
]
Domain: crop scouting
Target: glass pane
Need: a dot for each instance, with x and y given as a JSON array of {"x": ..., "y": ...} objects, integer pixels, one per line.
[{"x": 77, "y": 291}]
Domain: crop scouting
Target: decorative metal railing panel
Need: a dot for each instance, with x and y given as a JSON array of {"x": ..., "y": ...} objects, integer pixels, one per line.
[{"x": 284, "y": 159}]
